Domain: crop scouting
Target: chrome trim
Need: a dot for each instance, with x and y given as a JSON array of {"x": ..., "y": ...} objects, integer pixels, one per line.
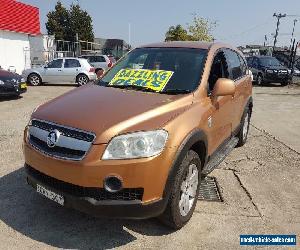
[
  {"x": 67, "y": 127},
  {"x": 64, "y": 141},
  {"x": 42, "y": 135}
]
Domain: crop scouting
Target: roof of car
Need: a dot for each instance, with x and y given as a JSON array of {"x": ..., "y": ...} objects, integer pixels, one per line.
[{"x": 179, "y": 44}]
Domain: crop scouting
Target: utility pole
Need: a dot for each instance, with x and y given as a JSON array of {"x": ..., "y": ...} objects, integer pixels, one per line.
[
  {"x": 295, "y": 20},
  {"x": 266, "y": 40},
  {"x": 278, "y": 16}
]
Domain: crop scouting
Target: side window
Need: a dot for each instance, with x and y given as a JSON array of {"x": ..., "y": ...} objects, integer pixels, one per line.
[
  {"x": 91, "y": 59},
  {"x": 72, "y": 63},
  {"x": 55, "y": 64},
  {"x": 219, "y": 69},
  {"x": 249, "y": 61},
  {"x": 255, "y": 63},
  {"x": 244, "y": 66},
  {"x": 99, "y": 59},
  {"x": 234, "y": 64}
]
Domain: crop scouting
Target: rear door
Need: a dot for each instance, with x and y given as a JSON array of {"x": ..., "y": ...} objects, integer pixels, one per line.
[
  {"x": 237, "y": 68},
  {"x": 53, "y": 72},
  {"x": 71, "y": 69}
]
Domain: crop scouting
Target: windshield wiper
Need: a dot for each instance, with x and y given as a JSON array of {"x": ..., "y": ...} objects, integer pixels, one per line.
[
  {"x": 134, "y": 87},
  {"x": 176, "y": 91}
]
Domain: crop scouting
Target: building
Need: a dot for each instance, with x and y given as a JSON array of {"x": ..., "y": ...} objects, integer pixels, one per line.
[{"x": 18, "y": 22}]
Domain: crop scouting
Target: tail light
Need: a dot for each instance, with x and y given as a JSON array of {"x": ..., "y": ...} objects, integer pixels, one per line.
[
  {"x": 92, "y": 70},
  {"x": 110, "y": 64}
]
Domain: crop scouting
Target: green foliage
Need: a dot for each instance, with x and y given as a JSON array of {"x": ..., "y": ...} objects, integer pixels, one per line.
[
  {"x": 64, "y": 23},
  {"x": 57, "y": 21},
  {"x": 199, "y": 30},
  {"x": 177, "y": 33}
]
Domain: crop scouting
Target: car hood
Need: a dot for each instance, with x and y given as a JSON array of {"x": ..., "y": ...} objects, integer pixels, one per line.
[
  {"x": 109, "y": 111},
  {"x": 8, "y": 76}
]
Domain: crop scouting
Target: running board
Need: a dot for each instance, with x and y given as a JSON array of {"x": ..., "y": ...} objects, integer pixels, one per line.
[{"x": 215, "y": 161}]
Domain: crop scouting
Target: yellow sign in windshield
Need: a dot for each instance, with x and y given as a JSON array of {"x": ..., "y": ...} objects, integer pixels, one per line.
[{"x": 153, "y": 79}]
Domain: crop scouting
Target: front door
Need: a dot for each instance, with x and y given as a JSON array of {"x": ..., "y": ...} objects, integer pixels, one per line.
[
  {"x": 221, "y": 108},
  {"x": 53, "y": 72}
]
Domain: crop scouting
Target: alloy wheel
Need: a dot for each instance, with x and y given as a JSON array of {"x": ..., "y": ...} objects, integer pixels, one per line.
[{"x": 188, "y": 190}]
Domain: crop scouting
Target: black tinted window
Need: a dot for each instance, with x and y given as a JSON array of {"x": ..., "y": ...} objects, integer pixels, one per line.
[
  {"x": 55, "y": 64},
  {"x": 72, "y": 63},
  {"x": 218, "y": 70},
  {"x": 234, "y": 64},
  {"x": 243, "y": 65}
]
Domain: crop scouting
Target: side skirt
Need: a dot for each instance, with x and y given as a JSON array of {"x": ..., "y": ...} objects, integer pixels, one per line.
[{"x": 220, "y": 155}]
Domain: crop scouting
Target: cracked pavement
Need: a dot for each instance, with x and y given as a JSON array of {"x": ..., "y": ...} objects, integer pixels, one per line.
[{"x": 259, "y": 184}]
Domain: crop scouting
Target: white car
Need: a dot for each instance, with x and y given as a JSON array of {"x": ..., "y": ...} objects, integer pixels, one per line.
[
  {"x": 100, "y": 62},
  {"x": 61, "y": 70}
]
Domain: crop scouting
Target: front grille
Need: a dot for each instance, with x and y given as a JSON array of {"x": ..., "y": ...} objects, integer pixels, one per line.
[
  {"x": 74, "y": 133},
  {"x": 57, "y": 151},
  {"x": 100, "y": 194},
  {"x": 71, "y": 144}
]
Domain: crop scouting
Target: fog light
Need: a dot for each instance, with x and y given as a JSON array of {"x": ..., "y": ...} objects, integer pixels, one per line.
[{"x": 112, "y": 184}]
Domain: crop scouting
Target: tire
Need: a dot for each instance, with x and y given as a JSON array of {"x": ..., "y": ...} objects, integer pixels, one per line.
[
  {"x": 34, "y": 79},
  {"x": 245, "y": 123},
  {"x": 284, "y": 83},
  {"x": 260, "y": 80},
  {"x": 82, "y": 79},
  {"x": 185, "y": 190}
]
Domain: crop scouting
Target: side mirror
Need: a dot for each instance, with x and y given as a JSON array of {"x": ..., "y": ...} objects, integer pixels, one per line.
[{"x": 223, "y": 87}]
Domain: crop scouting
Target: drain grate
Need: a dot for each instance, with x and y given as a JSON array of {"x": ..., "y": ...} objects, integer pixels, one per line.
[{"x": 209, "y": 190}]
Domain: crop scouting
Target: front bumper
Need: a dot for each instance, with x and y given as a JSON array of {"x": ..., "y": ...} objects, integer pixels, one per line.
[
  {"x": 275, "y": 77},
  {"x": 133, "y": 209}
]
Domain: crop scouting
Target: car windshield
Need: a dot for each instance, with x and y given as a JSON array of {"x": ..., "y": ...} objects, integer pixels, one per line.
[
  {"x": 269, "y": 61},
  {"x": 163, "y": 70}
]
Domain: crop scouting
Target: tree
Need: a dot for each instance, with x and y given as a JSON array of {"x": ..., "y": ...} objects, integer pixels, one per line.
[
  {"x": 177, "y": 33},
  {"x": 58, "y": 21},
  {"x": 64, "y": 24},
  {"x": 201, "y": 28},
  {"x": 80, "y": 23}
]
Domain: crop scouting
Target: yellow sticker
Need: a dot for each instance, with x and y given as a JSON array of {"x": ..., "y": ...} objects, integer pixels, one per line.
[{"x": 153, "y": 79}]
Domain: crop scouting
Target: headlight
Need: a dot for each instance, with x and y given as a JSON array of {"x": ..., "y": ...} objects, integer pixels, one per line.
[
  {"x": 270, "y": 71},
  {"x": 22, "y": 80},
  {"x": 1, "y": 82},
  {"x": 136, "y": 145}
]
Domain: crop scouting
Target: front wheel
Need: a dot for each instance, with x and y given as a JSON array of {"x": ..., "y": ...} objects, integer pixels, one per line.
[
  {"x": 183, "y": 197},
  {"x": 82, "y": 80}
]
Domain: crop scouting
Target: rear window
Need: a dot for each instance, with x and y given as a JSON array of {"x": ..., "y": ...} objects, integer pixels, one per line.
[{"x": 186, "y": 65}]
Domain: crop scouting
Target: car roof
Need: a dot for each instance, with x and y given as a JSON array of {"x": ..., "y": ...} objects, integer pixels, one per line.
[{"x": 179, "y": 44}]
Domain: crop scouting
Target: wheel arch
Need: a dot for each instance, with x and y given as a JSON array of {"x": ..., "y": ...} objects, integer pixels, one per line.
[{"x": 196, "y": 140}]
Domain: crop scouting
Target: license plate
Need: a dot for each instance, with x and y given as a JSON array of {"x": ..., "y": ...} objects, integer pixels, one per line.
[
  {"x": 23, "y": 85},
  {"x": 50, "y": 194}
]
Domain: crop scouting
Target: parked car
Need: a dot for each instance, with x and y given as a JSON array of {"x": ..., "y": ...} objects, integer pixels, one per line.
[
  {"x": 100, "y": 62},
  {"x": 296, "y": 71},
  {"x": 267, "y": 69},
  {"x": 61, "y": 70},
  {"x": 11, "y": 84},
  {"x": 138, "y": 143}
]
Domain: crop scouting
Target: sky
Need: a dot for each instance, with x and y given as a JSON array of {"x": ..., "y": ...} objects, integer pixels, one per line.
[{"x": 239, "y": 22}]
